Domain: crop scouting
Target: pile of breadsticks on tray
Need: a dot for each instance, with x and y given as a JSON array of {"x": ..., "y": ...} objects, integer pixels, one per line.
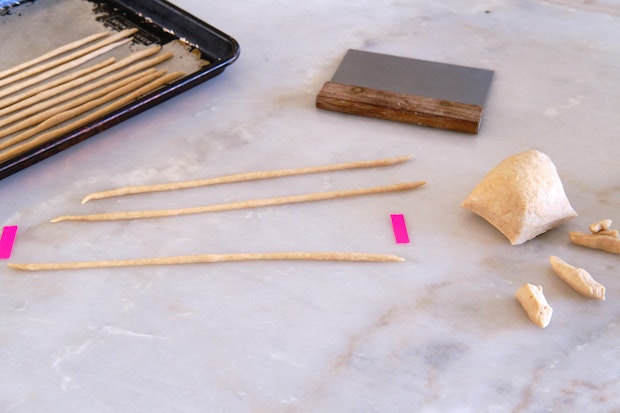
[{"x": 71, "y": 86}]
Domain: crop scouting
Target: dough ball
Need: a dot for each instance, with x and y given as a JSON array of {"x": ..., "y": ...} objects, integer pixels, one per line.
[{"x": 522, "y": 197}]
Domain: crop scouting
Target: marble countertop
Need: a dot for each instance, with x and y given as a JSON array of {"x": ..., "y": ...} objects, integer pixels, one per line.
[{"x": 439, "y": 332}]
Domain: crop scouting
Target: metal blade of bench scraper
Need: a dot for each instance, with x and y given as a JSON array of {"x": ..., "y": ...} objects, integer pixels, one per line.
[{"x": 414, "y": 77}]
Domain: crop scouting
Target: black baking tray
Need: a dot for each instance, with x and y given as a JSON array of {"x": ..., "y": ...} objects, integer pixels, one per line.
[{"x": 159, "y": 21}]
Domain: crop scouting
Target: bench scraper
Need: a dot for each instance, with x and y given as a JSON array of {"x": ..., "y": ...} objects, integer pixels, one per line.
[{"x": 438, "y": 95}]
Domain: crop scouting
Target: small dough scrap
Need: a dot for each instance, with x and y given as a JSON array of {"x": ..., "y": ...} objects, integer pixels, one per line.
[
  {"x": 535, "y": 304},
  {"x": 522, "y": 197},
  {"x": 603, "y": 225},
  {"x": 608, "y": 243},
  {"x": 578, "y": 278}
]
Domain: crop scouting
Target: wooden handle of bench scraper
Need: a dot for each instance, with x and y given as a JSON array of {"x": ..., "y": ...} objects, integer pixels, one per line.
[{"x": 436, "y": 113}]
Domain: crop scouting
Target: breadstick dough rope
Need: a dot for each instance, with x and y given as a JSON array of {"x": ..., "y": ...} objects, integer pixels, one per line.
[
  {"x": 212, "y": 258},
  {"x": 71, "y": 57},
  {"x": 53, "y": 53},
  {"x": 254, "y": 203},
  {"x": 55, "y": 133},
  {"x": 11, "y": 104},
  {"x": 242, "y": 177},
  {"x": 56, "y": 87},
  {"x": 16, "y": 87},
  {"x": 62, "y": 113},
  {"x": 42, "y": 110}
]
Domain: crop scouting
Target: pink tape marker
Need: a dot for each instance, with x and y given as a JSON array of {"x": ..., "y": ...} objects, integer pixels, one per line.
[
  {"x": 6, "y": 241},
  {"x": 400, "y": 229}
]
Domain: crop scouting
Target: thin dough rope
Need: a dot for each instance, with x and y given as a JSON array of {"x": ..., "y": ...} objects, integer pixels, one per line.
[
  {"x": 9, "y": 104},
  {"x": 16, "y": 87},
  {"x": 55, "y": 133},
  {"x": 242, "y": 177},
  {"x": 254, "y": 203},
  {"x": 72, "y": 80},
  {"x": 212, "y": 258},
  {"x": 71, "y": 57},
  {"x": 52, "y": 53},
  {"x": 49, "y": 118},
  {"x": 37, "y": 111},
  {"x": 74, "y": 108}
]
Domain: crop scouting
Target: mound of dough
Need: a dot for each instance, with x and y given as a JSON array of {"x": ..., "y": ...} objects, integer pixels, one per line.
[{"x": 522, "y": 197}]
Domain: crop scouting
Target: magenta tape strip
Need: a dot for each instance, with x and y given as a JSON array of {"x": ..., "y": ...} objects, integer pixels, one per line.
[
  {"x": 400, "y": 229},
  {"x": 6, "y": 241}
]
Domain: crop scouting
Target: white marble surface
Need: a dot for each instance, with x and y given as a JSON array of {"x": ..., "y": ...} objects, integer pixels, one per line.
[{"x": 440, "y": 332}]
